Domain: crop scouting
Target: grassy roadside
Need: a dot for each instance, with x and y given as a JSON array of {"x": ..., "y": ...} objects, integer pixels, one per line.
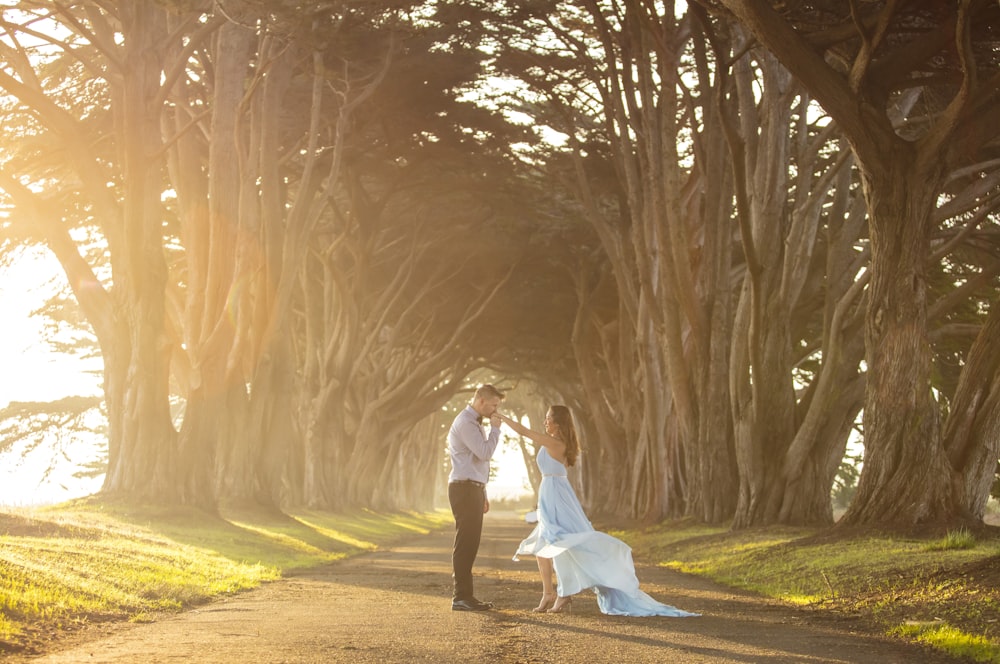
[
  {"x": 90, "y": 561},
  {"x": 944, "y": 592}
]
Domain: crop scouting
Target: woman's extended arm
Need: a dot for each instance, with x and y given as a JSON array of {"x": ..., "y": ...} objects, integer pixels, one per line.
[{"x": 555, "y": 446}]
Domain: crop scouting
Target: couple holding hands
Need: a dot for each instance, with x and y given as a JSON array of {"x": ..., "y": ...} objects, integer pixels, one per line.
[{"x": 563, "y": 542}]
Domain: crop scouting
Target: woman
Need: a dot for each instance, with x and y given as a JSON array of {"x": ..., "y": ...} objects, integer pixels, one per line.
[{"x": 565, "y": 542}]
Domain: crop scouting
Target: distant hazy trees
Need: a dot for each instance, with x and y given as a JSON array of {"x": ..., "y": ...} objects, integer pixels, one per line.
[{"x": 294, "y": 207}]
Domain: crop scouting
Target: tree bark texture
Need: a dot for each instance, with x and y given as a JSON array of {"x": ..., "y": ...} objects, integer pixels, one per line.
[
  {"x": 972, "y": 433},
  {"x": 906, "y": 477}
]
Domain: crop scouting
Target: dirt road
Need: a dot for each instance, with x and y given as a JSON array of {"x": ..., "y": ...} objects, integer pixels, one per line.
[{"x": 394, "y": 606}]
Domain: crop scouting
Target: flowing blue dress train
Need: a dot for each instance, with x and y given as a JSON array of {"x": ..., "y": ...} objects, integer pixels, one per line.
[{"x": 583, "y": 557}]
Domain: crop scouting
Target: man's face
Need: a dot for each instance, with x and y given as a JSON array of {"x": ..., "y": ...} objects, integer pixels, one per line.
[{"x": 489, "y": 406}]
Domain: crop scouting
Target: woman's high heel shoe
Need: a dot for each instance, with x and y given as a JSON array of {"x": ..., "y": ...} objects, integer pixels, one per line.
[
  {"x": 546, "y": 603},
  {"x": 562, "y": 604}
]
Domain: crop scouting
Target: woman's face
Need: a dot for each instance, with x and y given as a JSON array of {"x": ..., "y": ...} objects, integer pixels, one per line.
[{"x": 551, "y": 427}]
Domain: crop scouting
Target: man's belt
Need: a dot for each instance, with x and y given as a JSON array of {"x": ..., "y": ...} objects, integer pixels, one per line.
[{"x": 481, "y": 485}]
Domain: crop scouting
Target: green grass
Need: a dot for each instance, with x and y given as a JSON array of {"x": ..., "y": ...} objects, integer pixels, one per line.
[
  {"x": 942, "y": 592},
  {"x": 955, "y": 539},
  {"x": 951, "y": 640},
  {"x": 90, "y": 560}
]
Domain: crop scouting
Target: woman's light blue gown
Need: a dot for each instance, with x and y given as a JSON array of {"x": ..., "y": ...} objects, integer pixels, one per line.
[{"x": 584, "y": 557}]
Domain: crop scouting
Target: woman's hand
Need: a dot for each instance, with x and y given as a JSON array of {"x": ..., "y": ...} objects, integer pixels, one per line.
[{"x": 515, "y": 425}]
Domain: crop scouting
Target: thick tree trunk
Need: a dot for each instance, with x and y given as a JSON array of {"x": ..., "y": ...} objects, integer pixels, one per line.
[
  {"x": 316, "y": 491},
  {"x": 763, "y": 411},
  {"x": 713, "y": 500},
  {"x": 144, "y": 462},
  {"x": 214, "y": 417},
  {"x": 225, "y": 417},
  {"x": 325, "y": 449},
  {"x": 371, "y": 450},
  {"x": 645, "y": 448},
  {"x": 906, "y": 478}
]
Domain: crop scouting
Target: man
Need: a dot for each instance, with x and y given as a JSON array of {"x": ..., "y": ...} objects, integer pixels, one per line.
[{"x": 470, "y": 450}]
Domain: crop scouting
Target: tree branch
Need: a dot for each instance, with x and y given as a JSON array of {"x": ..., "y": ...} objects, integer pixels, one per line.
[
  {"x": 932, "y": 145},
  {"x": 828, "y": 86}
]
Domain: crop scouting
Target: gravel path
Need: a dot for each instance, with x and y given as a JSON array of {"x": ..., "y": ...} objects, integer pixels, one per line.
[{"x": 394, "y": 606}]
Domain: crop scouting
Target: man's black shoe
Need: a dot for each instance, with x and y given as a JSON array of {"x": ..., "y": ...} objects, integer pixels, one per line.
[{"x": 470, "y": 605}]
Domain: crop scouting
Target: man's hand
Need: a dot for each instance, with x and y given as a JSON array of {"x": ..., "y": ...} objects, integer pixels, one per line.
[
  {"x": 486, "y": 504},
  {"x": 495, "y": 420}
]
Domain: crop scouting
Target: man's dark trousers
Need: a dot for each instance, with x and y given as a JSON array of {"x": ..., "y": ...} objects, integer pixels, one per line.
[{"x": 467, "y": 502}]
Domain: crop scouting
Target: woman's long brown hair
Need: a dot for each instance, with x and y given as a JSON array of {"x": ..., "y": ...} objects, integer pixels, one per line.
[{"x": 563, "y": 419}]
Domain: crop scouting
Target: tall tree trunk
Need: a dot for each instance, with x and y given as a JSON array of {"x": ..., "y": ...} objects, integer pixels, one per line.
[
  {"x": 595, "y": 343},
  {"x": 417, "y": 470},
  {"x": 907, "y": 477},
  {"x": 216, "y": 395},
  {"x": 972, "y": 432},
  {"x": 763, "y": 394},
  {"x": 145, "y": 463},
  {"x": 712, "y": 455}
]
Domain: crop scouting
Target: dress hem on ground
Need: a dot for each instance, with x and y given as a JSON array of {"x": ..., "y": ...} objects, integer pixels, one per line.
[{"x": 583, "y": 557}]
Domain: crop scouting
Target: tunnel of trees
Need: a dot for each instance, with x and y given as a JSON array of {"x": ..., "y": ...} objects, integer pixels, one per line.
[{"x": 731, "y": 235}]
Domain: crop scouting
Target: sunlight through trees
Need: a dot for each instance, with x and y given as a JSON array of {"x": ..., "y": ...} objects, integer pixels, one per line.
[{"x": 721, "y": 232}]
